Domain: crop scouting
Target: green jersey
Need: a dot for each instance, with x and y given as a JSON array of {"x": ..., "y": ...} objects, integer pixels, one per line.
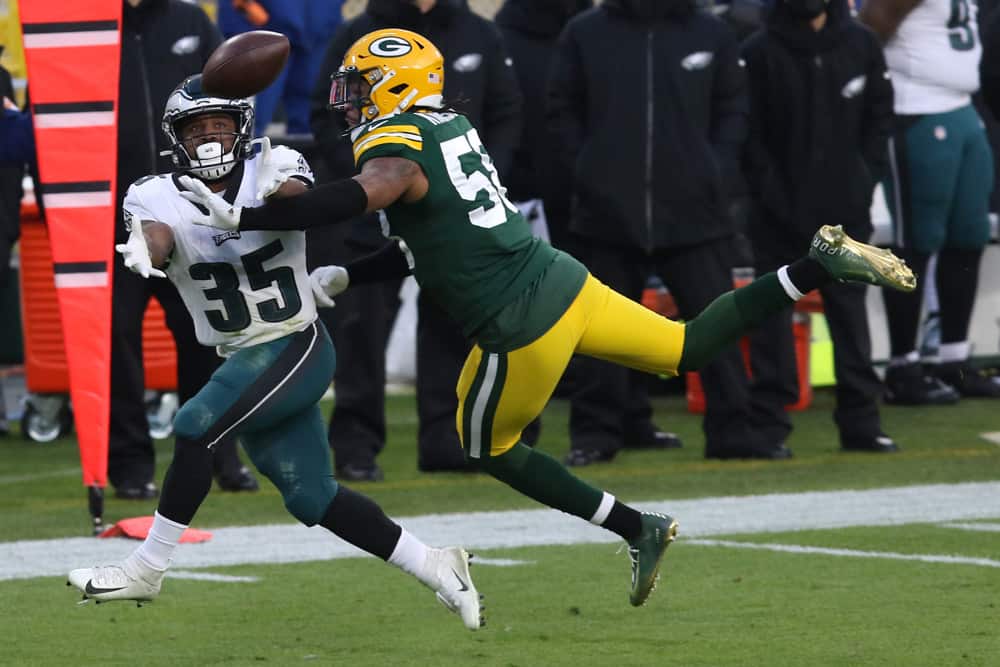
[{"x": 473, "y": 252}]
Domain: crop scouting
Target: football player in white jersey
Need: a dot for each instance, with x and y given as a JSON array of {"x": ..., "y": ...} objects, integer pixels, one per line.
[
  {"x": 250, "y": 297},
  {"x": 939, "y": 188}
]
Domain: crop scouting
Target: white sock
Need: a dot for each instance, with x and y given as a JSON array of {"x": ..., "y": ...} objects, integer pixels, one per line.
[
  {"x": 158, "y": 549},
  {"x": 790, "y": 289},
  {"x": 603, "y": 510},
  {"x": 953, "y": 351},
  {"x": 410, "y": 555}
]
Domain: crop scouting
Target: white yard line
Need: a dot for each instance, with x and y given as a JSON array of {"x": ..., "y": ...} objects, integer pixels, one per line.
[
  {"x": 31, "y": 477},
  {"x": 850, "y": 553},
  {"x": 975, "y": 527},
  {"x": 211, "y": 576},
  {"x": 500, "y": 562},
  {"x": 703, "y": 517}
]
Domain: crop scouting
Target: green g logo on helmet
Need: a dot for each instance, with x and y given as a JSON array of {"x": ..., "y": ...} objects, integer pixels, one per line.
[{"x": 390, "y": 47}]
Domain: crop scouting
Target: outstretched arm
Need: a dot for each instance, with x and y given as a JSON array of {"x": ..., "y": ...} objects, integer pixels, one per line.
[{"x": 382, "y": 182}]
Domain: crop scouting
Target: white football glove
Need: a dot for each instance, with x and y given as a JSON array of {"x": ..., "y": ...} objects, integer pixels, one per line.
[
  {"x": 135, "y": 253},
  {"x": 327, "y": 282},
  {"x": 274, "y": 167},
  {"x": 221, "y": 214}
]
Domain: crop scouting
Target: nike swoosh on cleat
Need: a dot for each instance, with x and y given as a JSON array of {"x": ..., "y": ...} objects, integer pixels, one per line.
[
  {"x": 464, "y": 586},
  {"x": 90, "y": 589}
]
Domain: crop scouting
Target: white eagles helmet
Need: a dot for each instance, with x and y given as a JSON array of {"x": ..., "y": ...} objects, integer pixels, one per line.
[{"x": 210, "y": 163}]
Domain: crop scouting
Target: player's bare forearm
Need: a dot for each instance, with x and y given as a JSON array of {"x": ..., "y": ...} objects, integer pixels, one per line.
[
  {"x": 386, "y": 180},
  {"x": 884, "y": 16},
  {"x": 159, "y": 241}
]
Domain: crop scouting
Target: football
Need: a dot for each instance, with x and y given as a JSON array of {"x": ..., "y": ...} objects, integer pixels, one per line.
[{"x": 245, "y": 64}]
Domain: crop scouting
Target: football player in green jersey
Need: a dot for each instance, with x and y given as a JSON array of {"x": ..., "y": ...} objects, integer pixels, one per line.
[{"x": 527, "y": 306}]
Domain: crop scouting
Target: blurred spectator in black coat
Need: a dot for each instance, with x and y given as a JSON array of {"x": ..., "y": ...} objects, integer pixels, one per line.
[
  {"x": 530, "y": 30},
  {"x": 648, "y": 107},
  {"x": 820, "y": 121}
]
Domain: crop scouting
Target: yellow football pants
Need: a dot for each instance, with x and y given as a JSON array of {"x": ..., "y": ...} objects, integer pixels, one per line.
[{"x": 499, "y": 393}]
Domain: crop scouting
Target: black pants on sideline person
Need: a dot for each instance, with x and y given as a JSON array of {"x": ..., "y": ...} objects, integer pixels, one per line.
[
  {"x": 611, "y": 403},
  {"x": 360, "y": 324},
  {"x": 131, "y": 458},
  {"x": 772, "y": 354}
]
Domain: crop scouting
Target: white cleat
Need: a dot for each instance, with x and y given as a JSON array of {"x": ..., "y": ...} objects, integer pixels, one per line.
[
  {"x": 132, "y": 580},
  {"x": 448, "y": 569}
]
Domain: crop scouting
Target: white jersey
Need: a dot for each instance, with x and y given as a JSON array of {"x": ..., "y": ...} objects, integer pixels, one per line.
[
  {"x": 241, "y": 288},
  {"x": 934, "y": 57}
]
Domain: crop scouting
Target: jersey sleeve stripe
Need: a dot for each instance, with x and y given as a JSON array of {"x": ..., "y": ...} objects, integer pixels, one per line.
[
  {"x": 412, "y": 136},
  {"x": 382, "y": 129},
  {"x": 411, "y": 140}
]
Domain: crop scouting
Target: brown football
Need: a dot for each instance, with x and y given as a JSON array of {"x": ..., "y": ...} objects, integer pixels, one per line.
[{"x": 245, "y": 64}]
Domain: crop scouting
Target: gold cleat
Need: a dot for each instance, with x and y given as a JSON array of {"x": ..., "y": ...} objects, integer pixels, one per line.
[{"x": 848, "y": 260}]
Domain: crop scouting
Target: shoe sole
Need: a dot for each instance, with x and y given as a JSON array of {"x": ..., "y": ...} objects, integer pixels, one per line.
[
  {"x": 671, "y": 536},
  {"x": 102, "y": 598}
]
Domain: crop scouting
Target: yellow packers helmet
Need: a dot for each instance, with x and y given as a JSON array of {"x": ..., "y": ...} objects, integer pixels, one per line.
[{"x": 403, "y": 69}]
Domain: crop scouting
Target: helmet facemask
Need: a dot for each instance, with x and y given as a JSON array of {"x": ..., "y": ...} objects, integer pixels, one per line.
[
  {"x": 209, "y": 160},
  {"x": 351, "y": 88}
]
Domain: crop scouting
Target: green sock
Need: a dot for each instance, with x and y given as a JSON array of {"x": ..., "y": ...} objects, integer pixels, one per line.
[
  {"x": 539, "y": 476},
  {"x": 730, "y": 317}
]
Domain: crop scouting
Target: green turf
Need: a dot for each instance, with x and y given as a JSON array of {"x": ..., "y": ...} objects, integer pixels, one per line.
[
  {"x": 940, "y": 445},
  {"x": 565, "y": 606}
]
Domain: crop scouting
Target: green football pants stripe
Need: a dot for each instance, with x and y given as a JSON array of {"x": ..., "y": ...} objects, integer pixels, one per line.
[{"x": 481, "y": 403}]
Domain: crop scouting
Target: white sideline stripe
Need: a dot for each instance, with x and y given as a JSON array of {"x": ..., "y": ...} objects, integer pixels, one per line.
[
  {"x": 850, "y": 553},
  {"x": 976, "y": 527},
  {"x": 991, "y": 436},
  {"x": 211, "y": 576},
  {"x": 17, "y": 479},
  {"x": 701, "y": 517}
]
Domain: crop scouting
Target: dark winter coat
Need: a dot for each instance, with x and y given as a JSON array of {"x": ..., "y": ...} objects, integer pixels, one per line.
[
  {"x": 821, "y": 116},
  {"x": 530, "y": 30},
  {"x": 648, "y": 107},
  {"x": 163, "y": 41}
]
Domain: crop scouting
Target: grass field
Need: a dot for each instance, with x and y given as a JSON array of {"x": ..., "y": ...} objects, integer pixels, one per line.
[{"x": 903, "y": 591}]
